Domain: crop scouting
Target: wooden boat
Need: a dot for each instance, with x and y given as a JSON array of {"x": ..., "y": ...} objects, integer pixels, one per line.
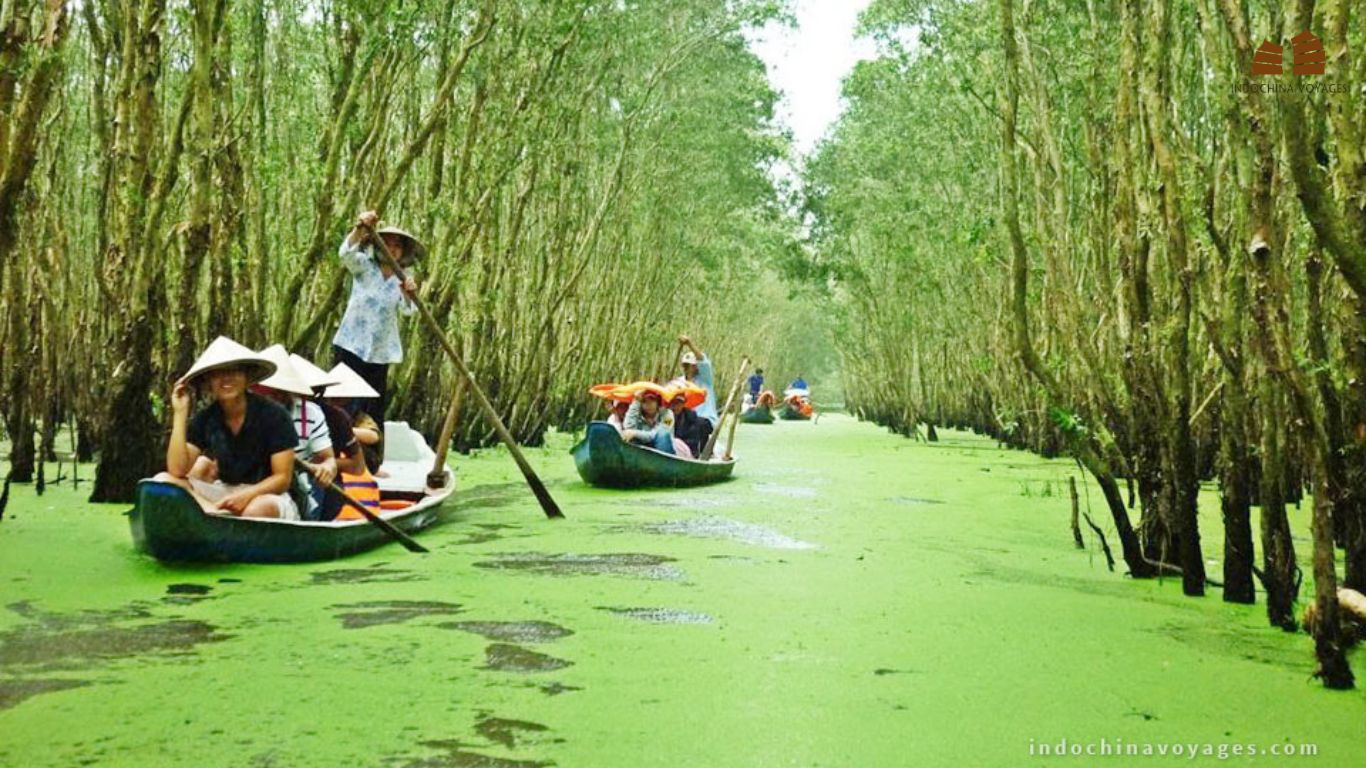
[
  {"x": 169, "y": 524},
  {"x": 604, "y": 459},
  {"x": 788, "y": 413},
  {"x": 759, "y": 414}
]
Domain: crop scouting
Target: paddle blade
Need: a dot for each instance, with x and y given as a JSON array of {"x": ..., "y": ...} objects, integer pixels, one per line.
[
  {"x": 410, "y": 544},
  {"x": 548, "y": 505}
]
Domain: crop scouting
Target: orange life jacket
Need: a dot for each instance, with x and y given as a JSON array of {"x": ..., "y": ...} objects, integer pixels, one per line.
[{"x": 362, "y": 488}]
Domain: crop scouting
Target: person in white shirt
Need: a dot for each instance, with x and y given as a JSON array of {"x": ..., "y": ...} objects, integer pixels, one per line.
[
  {"x": 314, "y": 447},
  {"x": 367, "y": 340}
]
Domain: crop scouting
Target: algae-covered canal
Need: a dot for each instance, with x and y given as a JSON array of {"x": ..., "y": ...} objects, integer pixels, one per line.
[{"x": 851, "y": 598}]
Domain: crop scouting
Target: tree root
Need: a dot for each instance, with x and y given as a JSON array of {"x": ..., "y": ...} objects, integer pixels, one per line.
[
  {"x": 1104, "y": 545},
  {"x": 1175, "y": 570}
]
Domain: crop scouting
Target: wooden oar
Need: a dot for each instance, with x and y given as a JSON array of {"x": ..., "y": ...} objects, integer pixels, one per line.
[
  {"x": 407, "y": 541},
  {"x": 437, "y": 477},
  {"x": 715, "y": 433},
  {"x": 678, "y": 353},
  {"x": 538, "y": 488},
  {"x": 730, "y": 435}
]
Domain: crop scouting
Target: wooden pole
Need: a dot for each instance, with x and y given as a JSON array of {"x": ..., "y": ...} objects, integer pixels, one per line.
[
  {"x": 678, "y": 354},
  {"x": 436, "y": 479},
  {"x": 548, "y": 505},
  {"x": 711, "y": 441},
  {"x": 730, "y": 434}
]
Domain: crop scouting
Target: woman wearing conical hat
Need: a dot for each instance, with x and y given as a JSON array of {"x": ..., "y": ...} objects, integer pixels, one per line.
[
  {"x": 357, "y": 477},
  {"x": 367, "y": 340},
  {"x": 291, "y": 388},
  {"x": 236, "y": 455},
  {"x": 350, "y": 388},
  {"x": 345, "y": 447}
]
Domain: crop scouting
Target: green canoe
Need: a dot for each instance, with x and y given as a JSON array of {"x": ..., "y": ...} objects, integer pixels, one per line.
[
  {"x": 792, "y": 414},
  {"x": 603, "y": 459},
  {"x": 759, "y": 414},
  {"x": 168, "y": 524}
]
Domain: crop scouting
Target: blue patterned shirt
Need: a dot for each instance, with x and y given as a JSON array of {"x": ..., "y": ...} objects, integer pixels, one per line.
[{"x": 369, "y": 328}]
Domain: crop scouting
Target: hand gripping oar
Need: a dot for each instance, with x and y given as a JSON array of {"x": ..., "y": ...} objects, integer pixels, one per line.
[
  {"x": 538, "y": 488},
  {"x": 407, "y": 541}
]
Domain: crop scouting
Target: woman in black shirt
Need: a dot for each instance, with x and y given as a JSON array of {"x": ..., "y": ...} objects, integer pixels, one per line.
[{"x": 236, "y": 456}]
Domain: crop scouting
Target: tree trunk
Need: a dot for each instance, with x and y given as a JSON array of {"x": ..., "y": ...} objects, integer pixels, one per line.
[
  {"x": 131, "y": 448},
  {"x": 1086, "y": 453},
  {"x": 1236, "y": 497}
]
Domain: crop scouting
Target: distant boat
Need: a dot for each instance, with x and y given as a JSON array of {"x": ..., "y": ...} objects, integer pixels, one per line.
[
  {"x": 169, "y": 524},
  {"x": 759, "y": 414},
  {"x": 604, "y": 459}
]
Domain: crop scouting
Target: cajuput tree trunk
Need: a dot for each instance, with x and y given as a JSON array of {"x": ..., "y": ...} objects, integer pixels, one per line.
[
  {"x": 132, "y": 437},
  {"x": 1179, "y": 462},
  {"x": 1084, "y": 448},
  {"x": 1235, "y": 483}
]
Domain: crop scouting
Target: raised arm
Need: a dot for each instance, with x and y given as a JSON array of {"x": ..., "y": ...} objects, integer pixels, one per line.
[
  {"x": 180, "y": 453},
  {"x": 633, "y": 425},
  {"x": 352, "y": 252},
  {"x": 687, "y": 342},
  {"x": 363, "y": 229}
]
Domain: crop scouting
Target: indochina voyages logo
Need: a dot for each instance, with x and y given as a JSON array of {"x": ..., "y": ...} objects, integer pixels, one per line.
[{"x": 1307, "y": 61}]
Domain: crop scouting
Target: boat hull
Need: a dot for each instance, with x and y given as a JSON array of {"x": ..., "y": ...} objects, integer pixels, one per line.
[
  {"x": 757, "y": 415},
  {"x": 603, "y": 459},
  {"x": 168, "y": 524},
  {"x": 792, "y": 414}
]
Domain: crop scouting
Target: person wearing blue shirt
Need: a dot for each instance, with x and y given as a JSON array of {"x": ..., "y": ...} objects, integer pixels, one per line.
[
  {"x": 697, "y": 370},
  {"x": 756, "y": 383},
  {"x": 798, "y": 383}
]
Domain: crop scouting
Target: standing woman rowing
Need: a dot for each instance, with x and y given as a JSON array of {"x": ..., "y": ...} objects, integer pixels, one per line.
[{"x": 368, "y": 340}]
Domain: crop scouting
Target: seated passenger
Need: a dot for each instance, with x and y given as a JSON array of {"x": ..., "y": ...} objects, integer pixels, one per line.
[
  {"x": 689, "y": 428},
  {"x": 369, "y": 438},
  {"x": 647, "y": 422},
  {"x": 618, "y": 408},
  {"x": 346, "y": 448},
  {"x": 314, "y": 442},
  {"x": 236, "y": 456},
  {"x": 357, "y": 478}
]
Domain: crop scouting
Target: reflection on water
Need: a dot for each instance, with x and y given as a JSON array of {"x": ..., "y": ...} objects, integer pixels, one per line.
[{"x": 733, "y": 530}]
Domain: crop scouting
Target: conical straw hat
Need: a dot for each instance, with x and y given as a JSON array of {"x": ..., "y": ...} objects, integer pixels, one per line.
[
  {"x": 694, "y": 395},
  {"x": 603, "y": 390},
  {"x": 286, "y": 378},
  {"x": 615, "y": 392},
  {"x": 222, "y": 353},
  {"x": 629, "y": 391},
  {"x": 351, "y": 386},
  {"x": 316, "y": 377},
  {"x": 413, "y": 249}
]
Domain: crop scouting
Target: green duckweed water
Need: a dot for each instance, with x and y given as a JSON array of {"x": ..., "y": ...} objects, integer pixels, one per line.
[{"x": 850, "y": 599}]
